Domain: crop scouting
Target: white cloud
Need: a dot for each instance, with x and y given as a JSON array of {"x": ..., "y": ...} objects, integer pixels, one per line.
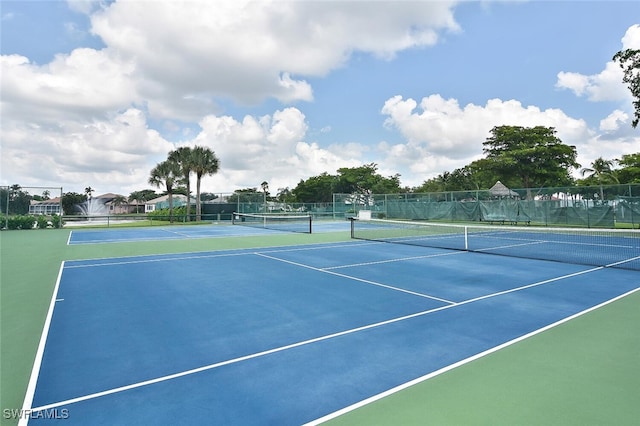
[
  {"x": 604, "y": 86},
  {"x": 113, "y": 155},
  {"x": 269, "y": 148},
  {"x": 631, "y": 39},
  {"x": 85, "y": 83},
  {"x": 82, "y": 119},
  {"x": 251, "y": 50},
  {"x": 614, "y": 121},
  {"x": 443, "y": 136},
  {"x": 607, "y": 85}
]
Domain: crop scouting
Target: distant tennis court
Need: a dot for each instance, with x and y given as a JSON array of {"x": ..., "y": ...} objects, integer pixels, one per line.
[
  {"x": 288, "y": 335},
  {"x": 179, "y": 232}
]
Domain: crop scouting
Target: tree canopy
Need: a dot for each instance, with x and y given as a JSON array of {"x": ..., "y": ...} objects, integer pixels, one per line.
[
  {"x": 630, "y": 171},
  {"x": 169, "y": 174},
  {"x": 629, "y": 61},
  {"x": 363, "y": 180},
  {"x": 530, "y": 157}
]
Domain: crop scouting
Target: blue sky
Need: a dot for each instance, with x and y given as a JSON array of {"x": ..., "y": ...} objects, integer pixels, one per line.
[{"x": 97, "y": 93}]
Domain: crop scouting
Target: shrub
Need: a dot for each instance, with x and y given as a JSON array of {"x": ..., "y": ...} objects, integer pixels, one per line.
[
  {"x": 21, "y": 222},
  {"x": 56, "y": 221},
  {"x": 42, "y": 222},
  {"x": 179, "y": 214}
]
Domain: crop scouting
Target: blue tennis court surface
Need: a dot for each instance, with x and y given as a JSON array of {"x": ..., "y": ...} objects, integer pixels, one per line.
[
  {"x": 178, "y": 232},
  {"x": 286, "y": 335}
]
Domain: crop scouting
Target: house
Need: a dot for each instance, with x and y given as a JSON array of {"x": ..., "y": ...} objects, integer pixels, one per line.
[
  {"x": 163, "y": 202},
  {"x": 114, "y": 205},
  {"x": 46, "y": 207}
]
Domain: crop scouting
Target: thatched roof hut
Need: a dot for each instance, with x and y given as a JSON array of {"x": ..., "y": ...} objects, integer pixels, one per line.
[{"x": 499, "y": 190}]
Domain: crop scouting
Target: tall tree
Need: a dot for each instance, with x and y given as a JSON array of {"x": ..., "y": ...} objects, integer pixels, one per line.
[
  {"x": 69, "y": 201},
  {"x": 89, "y": 192},
  {"x": 533, "y": 155},
  {"x": 141, "y": 196},
  {"x": 629, "y": 61},
  {"x": 602, "y": 171},
  {"x": 285, "y": 195},
  {"x": 630, "y": 168},
  {"x": 205, "y": 162},
  {"x": 365, "y": 180},
  {"x": 19, "y": 200},
  {"x": 169, "y": 174},
  {"x": 184, "y": 156},
  {"x": 318, "y": 189},
  {"x": 119, "y": 200}
]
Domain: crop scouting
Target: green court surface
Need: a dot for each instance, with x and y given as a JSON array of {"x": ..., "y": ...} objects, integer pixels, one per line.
[{"x": 583, "y": 372}]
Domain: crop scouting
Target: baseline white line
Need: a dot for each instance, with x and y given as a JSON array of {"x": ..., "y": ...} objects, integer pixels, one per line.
[
  {"x": 161, "y": 259},
  {"x": 35, "y": 371},
  {"x": 426, "y": 296},
  {"x": 459, "y": 363},
  {"x": 283, "y": 348},
  {"x": 192, "y": 255}
]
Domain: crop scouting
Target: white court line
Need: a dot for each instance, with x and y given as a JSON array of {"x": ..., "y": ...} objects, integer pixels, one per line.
[
  {"x": 426, "y": 296},
  {"x": 186, "y": 256},
  {"x": 36, "y": 368},
  {"x": 459, "y": 363},
  {"x": 172, "y": 232},
  {"x": 402, "y": 259},
  {"x": 142, "y": 258},
  {"x": 159, "y": 259},
  {"x": 35, "y": 371}
]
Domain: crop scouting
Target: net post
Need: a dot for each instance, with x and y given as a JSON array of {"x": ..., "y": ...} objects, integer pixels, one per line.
[
  {"x": 466, "y": 238},
  {"x": 310, "y": 225},
  {"x": 353, "y": 221}
]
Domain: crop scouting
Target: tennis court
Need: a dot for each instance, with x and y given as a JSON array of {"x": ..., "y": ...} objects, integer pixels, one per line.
[
  {"x": 290, "y": 335},
  {"x": 181, "y": 232}
]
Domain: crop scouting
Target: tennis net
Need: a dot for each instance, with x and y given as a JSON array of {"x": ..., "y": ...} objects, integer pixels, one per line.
[
  {"x": 290, "y": 223},
  {"x": 596, "y": 247}
]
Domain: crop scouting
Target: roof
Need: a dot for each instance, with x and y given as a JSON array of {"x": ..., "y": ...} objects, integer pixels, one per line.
[
  {"x": 500, "y": 190},
  {"x": 166, "y": 197},
  {"x": 50, "y": 201}
]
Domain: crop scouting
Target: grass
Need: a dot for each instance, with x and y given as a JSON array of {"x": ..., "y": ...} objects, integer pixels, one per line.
[{"x": 584, "y": 372}]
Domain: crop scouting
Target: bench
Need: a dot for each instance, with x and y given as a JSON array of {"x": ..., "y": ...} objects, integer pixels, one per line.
[{"x": 493, "y": 218}]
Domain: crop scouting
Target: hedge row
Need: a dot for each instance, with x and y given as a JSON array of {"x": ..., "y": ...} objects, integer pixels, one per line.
[{"x": 29, "y": 222}]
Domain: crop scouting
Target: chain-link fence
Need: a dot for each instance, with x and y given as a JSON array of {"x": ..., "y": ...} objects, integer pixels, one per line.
[{"x": 601, "y": 206}]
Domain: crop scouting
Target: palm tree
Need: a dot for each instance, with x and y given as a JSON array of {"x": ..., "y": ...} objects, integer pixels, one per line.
[
  {"x": 88, "y": 191},
  {"x": 205, "y": 162},
  {"x": 119, "y": 200},
  {"x": 166, "y": 173},
  {"x": 601, "y": 170},
  {"x": 265, "y": 189},
  {"x": 184, "y": 157}
]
